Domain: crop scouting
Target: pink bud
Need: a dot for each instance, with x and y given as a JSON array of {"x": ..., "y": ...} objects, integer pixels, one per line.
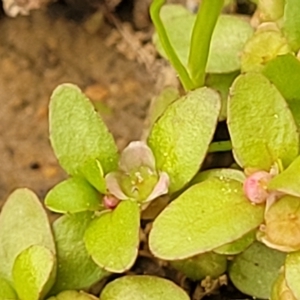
[
  {"x": 255, "y": 186},
  {"x": 110, "y": 201}
]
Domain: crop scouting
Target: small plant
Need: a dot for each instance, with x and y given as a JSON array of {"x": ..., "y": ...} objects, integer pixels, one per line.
[{"x": 243, "y": 220}]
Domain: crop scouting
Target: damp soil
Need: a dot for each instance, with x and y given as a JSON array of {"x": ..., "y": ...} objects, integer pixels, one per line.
[{"x": 39, "y": 52}]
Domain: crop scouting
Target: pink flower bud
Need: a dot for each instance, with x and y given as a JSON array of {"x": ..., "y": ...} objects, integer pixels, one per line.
[
  {"x": 110, "y": 201},
  {"x": 255, "y": 186}
]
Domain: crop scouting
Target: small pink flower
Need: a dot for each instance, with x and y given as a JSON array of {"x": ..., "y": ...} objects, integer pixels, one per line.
[
  {"x": 110, "y": 201},
  {"x": 255, "y": 187}
]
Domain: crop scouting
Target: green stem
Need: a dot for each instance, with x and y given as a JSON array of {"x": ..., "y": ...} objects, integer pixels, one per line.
[
  {"x": 164, "y": 39},
  {"x": 206, "y": 20},
  {"x": 221, "y": 146}
]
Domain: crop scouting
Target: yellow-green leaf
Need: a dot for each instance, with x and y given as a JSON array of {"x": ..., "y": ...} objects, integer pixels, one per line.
[{"x": 292, "y": 273}]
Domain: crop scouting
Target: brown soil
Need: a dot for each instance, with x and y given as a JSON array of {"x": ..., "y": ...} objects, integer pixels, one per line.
[{"x": 39, "y": 52}]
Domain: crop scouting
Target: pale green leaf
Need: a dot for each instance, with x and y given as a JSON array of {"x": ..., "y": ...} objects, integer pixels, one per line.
[
  {"x": 292, "y": 272},
  {"x": 261, "y": 126},
  {"x": 204, "y": 217},
  {"x": 180, "y": 138},
  {"x": 73, "y": 195},
  {"x": 23, "y": 222},
  {"x": 219, "y": 173},
  {"x": 142, "y": 287},
  {"x": 112, "y": 239},
  {"x": 263, "y": 46},
  {"x": 75, "y": 270},
  {"x": 270, "y": 10},
  {"x": 291, "y": 23},
  {"x": 77, "y": 133},
  {"x": 202, "y": 265},
  {"x": 237, "y": 246},
  {"x": 255, "y": 270},
  {"x": 6, "y": 291},
  {"x": 288, "y": 181},
  {"x": 227, "y": 42},
  {"x": 280, "y": 291},
  {"x": 73, "y": 295},
  {"x": 284, "y": 72},
  {"x": 34, "y": 272}
]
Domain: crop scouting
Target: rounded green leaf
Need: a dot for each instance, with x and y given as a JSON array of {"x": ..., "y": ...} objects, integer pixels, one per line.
[
  {"x": 142, "y": 287},
  {"x": 261, "y": 126},
  {"x": 237, "y": 246},
  {"x": 255, "y": 270},
  {"x": 219, "y": 173},
  {"x": 34, "y": 272},
  {"x": 288, "y": 181},
  {"x": 280, "y": 291},
  {"x": 6, "y": 291},
  {"x": 73, "y": 295},
  {"x": 112, "y": 239},
  {"x": 73, "y": 195},
  {"x": 292, "y": 272},
  {"x": 180, "y": 138},
  {"x": 202, "y": 265},
  {"x": 75, "y": 270},
  {"x": 204, "y": 217},
  {"x": 284, "y": 72},
  {"x": 228, "y": 39},
  {"x": 77, "y": 133},
  {"x": 23, "y": 222},
  {"x": 291, "y": 23}
]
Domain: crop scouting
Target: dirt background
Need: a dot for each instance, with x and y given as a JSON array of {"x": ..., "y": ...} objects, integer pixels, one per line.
[{"x": 42, "y": 50}]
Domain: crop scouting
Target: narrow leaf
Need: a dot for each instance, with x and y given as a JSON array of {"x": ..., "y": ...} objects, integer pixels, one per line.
[
  {"x": 77, "y": 133},
  {"x": 34, "y": 272},
  {"x": 292, "y": 272},
  {"x": 112, "y": 239},
  {"x": 288, "y": 181},
  {"x": 203, "y": 218},
  {"x": 142, "y": 287},
  {"x": 73, "y": 195},
  {"x": 23, "y": 222},
  {"x": 76, "y": 270},
  {"x": 228, "y": 39},
  {"x": 255, "y": 270},
  {"x": 180, "y": 138},
  {"x": 261, "y": 126}
]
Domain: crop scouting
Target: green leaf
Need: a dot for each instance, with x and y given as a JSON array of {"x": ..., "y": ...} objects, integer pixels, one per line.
[
  {"x": 291, "y": 23},
  {"x": 160, "y": 103},
  {"x": 219, "y": 173},
  {"x": 112, "y": 240},
  {"x": 280, "y": 291},
  {"x": 180, "y": 138},
  {"x": 73, "y": 195},
  {"x": 77, "y": 133},
  {"x": 6, "y": 291},
  {"x": 270, "y": 10},
  {"x": 292, "y": 272},
  {"x": 237, "y": 246},
  {"x": 255, "y": 270},
  {"x": 263, "y": 46},
  {"x": 142, "y": 287},
  {"x": 284, "y": 72},
  {"x": 204, "y": 217},
  {"x": 269, "y": 132},
  {"x": 227, "y": 42},
  {"x": 34, "y": 272},
  {"x": 221, "y": 83},
  {"x": 76, "y": 270},
  {"x": 202, "y": 265},
  {"x": 73, "y": 295},
  {"x": 23, "y": 222},
  {"x": 288, "y": 181}
]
